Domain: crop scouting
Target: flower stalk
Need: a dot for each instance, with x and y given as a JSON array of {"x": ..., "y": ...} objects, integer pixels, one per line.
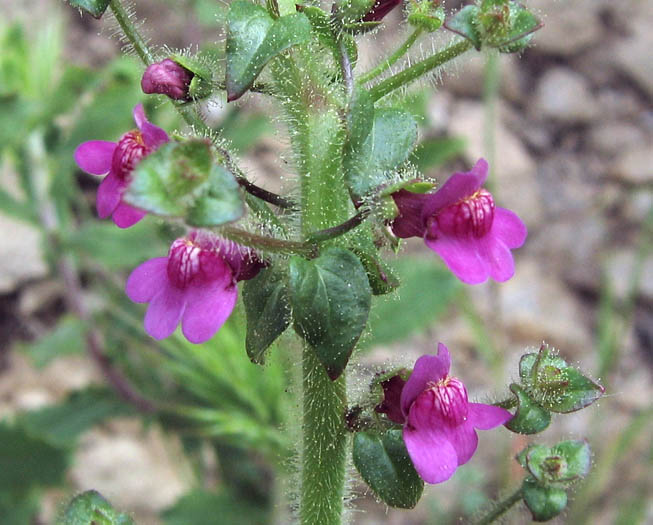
[
  {"x": 392, "y": 59},
  {"x": 131, "y": 32},
  {"x": 501, "y": 508},
  {"x": 412, "y": 73}
]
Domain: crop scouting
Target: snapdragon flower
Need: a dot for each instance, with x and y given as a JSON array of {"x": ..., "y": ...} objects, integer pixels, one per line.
[
  {"x": 462, "y": 224},
  {"x": 117, "y": 160},
  {"x": 195, "y": 285},
  {"x": 439, "y": 422}
]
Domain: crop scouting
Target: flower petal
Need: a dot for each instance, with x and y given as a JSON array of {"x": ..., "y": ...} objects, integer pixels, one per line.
[
  {"x": 464, "y": 440},
  {"x": 427, "y": 368},
  {"x": 497, "y": 257},
  {"x": 432, "y": 454},
  {"x": 147, "y": 280},
  {"x": 207, "y": 309},
  {"x": 458, "y": 186},
  {"x": 165, "y": 311},
  {"x": 95, "y": 156},
  {"x": 508, "y": 228},
  {"x": 108, "y": 195},
  {"x": 485, "y": 417},
  {"x": 462, "y": 257},
  {"x": 153, "y": 136},
  {"x": 125, "y": 215}
]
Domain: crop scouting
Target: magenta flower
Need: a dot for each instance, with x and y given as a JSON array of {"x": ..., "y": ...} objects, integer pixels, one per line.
[
  {"x": 461, "y": 223},
  {"x": 117, "y": 160},
  {"x": 440, "y": 422},
  {"x": 167, "y": 78},
  {"x": 195, "y": 285}
]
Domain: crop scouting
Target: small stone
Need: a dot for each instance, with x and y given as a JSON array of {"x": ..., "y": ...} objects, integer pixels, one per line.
[
  {"x": 619, "y": 270},
  {"x": 564, "y": 95},
  {"x": 634, "y": 166},
  {"x": 610, "y": 138},
  {"x": 633, "y": 55},
  {"x": 638, "y": 205},
  {"x": 21, "y": 254},
  {"x": 569, "y": 27}
]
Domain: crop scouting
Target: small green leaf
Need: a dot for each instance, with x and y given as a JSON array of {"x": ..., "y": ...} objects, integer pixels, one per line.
[
  {"x": 180, "y": 179},
  {"x": 523, "y": 24},
  {"x": 268, "y": 311},
  {"x": 544, "y": 503},
  {"x": 331, "y": 298},
  {"x": 90, "y": 508},
  {"x": 384, "y": 464},
  {"x": 95, "y": 8},
  {"x": 530, "y": 418},
  {"x": 465, "y": 23},
  {"x": 253, "y": 38},
  {"x": 373, "y": 155}
]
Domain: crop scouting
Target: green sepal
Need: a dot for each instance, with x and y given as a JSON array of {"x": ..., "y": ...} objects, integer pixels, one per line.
[
  {"x": 201, "y": 85},
  {"x": 465, "y": 23},
  {"x": 412, "y": 185},
  {"x": 523, "y": 24},
  {"x": 530, "y": 418},
  {"x": 384, "y": 464},
  {"x": 181, "y": 180},
  {"x": 348, "y": 12},
  {"x": 330, "y": 298},
  {"x": 556, "y": 385},
  {"x": 544, "y": 503},
  {"x": 425, "y": 16},
  {"x": 253, "y": 39},
  {"x": 267, "y": 308},
  {"x": 558, "y": 466},
  {"x": 91, "y": 508},
  {"x": 95, "y": 8}
]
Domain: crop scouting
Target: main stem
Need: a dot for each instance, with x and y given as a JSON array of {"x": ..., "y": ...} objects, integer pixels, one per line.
[
  {"x": 317, "y": 136},
  {"x": 500, "y": 508}
]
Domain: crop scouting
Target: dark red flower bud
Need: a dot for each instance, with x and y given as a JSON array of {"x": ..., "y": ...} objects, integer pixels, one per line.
[
  {"x": 391, "y": 406},
  {"x": 167, "y": 78},
  {"x": 380, "y": 9}
]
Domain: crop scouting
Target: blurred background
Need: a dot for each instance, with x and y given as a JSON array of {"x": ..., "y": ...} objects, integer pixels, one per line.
[{"x": 568, "y": 129}]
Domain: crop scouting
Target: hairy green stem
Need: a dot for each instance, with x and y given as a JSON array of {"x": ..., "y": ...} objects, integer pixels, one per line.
[
  {"x": 263, "y": 242},
  {"x": 387, "y": 63},
  {"x": 500, "y": 508},
  {"x": 412, "y": 73},
  {"x": 507, "y": 403},
  {"x": 131, "y": 32}
]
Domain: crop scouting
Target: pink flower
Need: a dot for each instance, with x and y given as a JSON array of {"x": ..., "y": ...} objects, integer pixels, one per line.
[
  {"x": 380, "y": 9},
  {"x": 98, "y": 157},
  {"x": 195, "y": 285},
  {"x": 440, "y": 424},
  {"x": 167, "y": 78},
  {"x": 461, "y": 223}
]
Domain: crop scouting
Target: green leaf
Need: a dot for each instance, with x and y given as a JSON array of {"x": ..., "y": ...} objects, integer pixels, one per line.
[
  {"x": 67, "y": 337},
  {"x": 28, "y": 461},
  {"x": 61, "y": 425},
  {"x": 523, "y": 24},
  {"x": 465, "y": 23},
  {"x": 268, "y": 311},
  {"x": 95, "y": 8},
  {"x": 373, "y": 155},
  {"x": 384, "y": 464},
  {"x": 330, "y": 297},
  {"x": 181, "y": 180},
  {"x": 544, "y": 503},
  {"x": 200, "y": 506},
  {"x": 530, "y": 417},
  {"x": 556, "y": 385},
  {"x": 253, "y": 38},
  {"x": 90, "y": 508},
  {"x": 425, "y": 292}
]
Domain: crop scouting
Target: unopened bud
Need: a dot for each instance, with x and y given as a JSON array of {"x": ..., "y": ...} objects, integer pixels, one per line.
[{"x": 167, "y": 78}]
